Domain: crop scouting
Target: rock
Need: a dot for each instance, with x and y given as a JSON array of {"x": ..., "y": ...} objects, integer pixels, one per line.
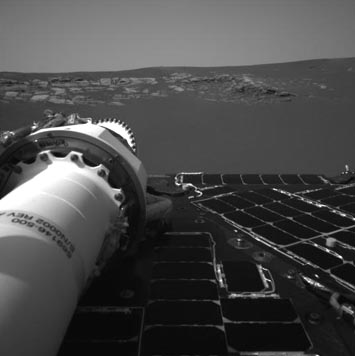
[
  {"x": 130, "y": 90},
  {"x": 56, "y": 100},
  {"x": 40, "y": 97},
  {"x": 75, "y": 90},
  {"x": 105, "y": 81},
  {"x": 82, "y": 83},
  {"x": 284, "y": 94},
  {"x": 11, "y": 94},
  {"x": 117, "y": 103},
  {"x": 79, "y": 99},
  {"x": 59, "y": 91},
  {"x": 176, "y": 88}
]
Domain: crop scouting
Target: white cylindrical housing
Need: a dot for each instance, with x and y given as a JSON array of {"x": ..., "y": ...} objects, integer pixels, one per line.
[{"x": 51, "y": 231}]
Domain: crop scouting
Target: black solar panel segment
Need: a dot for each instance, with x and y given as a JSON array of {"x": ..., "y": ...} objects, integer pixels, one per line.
[
  {"x": 347, "y": 190},
  {"x": 184, "y": 340},
  {"x": 267, "y": 337},
  {"x": 216, "y": 206},
  {"x": 291, "y": 178},
  {"x": 283, "y": 209},
  {"x": 315, "y": 223},
  {"x": 236, "y": 201},
  {"x": 311, "y": 179},
  {"x": 339, "y": 200},
  {"x": 232, "y": 179},
  {"x": 258, "y": 309},
  {"x": 301, "y": 205},
  {"x": 178, "y": 312},
  {"x": 273, "y": 194},
  {"x": 176, "y": 254},
  {"x": 334, "y": 218},
  {"x": 296, "y": 229},
  {"x": 255, "y": 197},
  {"x": 183, "y": 289},
  {"x": 243, "y": 219},
  {"x": 345, "y": 237},
  {"x": 346, "y": 272},
  {"x": 264, "y": 214},
  {"x": 195, "y": 179},
  {"x": 183, "y": 270},
  {"x": 251, "y": 179},
  {"x": 315, "y": 255},
  {"x": 272, "y": 179},
  {"x": 274, "y": 235},
  {"x": 321, "y": 194},
  {"x": 212, "y": 179}
]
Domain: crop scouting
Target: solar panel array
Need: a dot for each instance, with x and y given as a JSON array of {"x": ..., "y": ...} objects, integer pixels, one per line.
[
  {"x": 187, "y": 314},
  {"x": 314, "y": 227}
]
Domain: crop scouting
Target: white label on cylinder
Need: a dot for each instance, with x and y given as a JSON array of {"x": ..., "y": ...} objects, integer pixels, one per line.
[{"x": 41, "y": 225}]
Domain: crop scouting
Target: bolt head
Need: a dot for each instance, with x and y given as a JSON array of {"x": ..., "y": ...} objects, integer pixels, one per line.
[
  {"x": 118, "y": 196},
  {"x": 74, "y": 157},
  {"x": 43, "y": 157},
  {"x": 101, "y": 173}
]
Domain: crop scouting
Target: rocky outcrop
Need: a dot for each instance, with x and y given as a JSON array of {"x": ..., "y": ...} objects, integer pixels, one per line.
[{"x": 113, "y": 90}]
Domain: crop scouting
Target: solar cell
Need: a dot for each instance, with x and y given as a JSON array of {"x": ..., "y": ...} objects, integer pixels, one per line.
[
  {"x": 301, "y": 205},
  {"x": 184, "y": 240},
  {"x": 212, "y": 179},
  {"x": 274, "y": 235},
  {"x": 216, "y": 205},
  {"x": 346, "y": 272},
  {"x": 243, "y": 219},
  {"x": 296, "y": 229},
  {"x": 268, "y": 337},
  {"x": 184, "y": 340},
  {"x": 193, "y": 179},
  {"x": 264, "y": 214},
  {"x": 255, "y": 198},
  {"x": 347, "y": 190},
  {"x": 315, "y": 224},
  {"x": 350, "y": 208},
  {"x": 333, "y": 218},
  {"x": 283, "y": 209},
  {"x": 339, "y": 200},
  {"x": 346, "y": 237},
  {"x": 242, "y": 276},
  {"x": 311, "y": 179},
  {"x": 251, "y": 179},
  {"x": 183, "y": 289},
  {"x": 271, "y": 179},
  {"x": 236, "y": 201},
  {"x": 291, "y": 178},
  {"x": 193, "y": 254},
  {"x": 315, "y": 255},
  {"x": 232, "y": 179},
  {"x": 273, "y": 194},
  {"x": 183, "y": 270},
  {"x": 321, "y": 194},
  {"x": 183, "y": 313},
  {"x": 258, "y": 309}
]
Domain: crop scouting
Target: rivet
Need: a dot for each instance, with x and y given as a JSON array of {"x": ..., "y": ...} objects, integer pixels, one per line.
[
  {"x": 101, "y": 173},
  {"x": 74, "y": 157},
  {"x": 43, "y": 157},
  {"x": 118, "y": 196}
]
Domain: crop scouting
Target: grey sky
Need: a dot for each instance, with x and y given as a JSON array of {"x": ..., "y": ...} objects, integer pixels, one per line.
[{"x": 70, "y": 35}]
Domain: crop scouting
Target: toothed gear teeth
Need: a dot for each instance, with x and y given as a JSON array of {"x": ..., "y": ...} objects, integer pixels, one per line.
[{"x": 121, "y": 128}]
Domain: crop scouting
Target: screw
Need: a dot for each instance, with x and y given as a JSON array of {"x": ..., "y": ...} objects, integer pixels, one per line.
[
  {"x": 74, "y": 157},
  {"x": 101, "y": 173},
  {"x": 119, "y": 197},
  {"x": 43, "y": 157}
]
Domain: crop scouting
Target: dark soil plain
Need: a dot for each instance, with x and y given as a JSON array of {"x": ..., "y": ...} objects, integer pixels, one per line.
[{"x": 295, "y": 117}]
